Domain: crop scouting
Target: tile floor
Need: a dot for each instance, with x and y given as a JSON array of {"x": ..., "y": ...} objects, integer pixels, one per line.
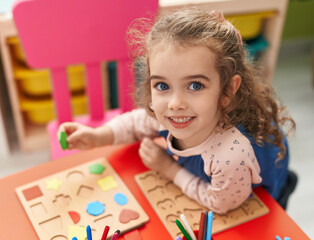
[{"x": 293, "y": 82}]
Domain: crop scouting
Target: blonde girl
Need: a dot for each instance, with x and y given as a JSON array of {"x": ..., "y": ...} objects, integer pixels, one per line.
[{"x": 197, "y": 90}]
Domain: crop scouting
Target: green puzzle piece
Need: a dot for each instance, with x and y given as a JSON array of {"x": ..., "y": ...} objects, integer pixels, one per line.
[
  {"x": 96, "y": 168},
  {"x": 63, "y": 140}
]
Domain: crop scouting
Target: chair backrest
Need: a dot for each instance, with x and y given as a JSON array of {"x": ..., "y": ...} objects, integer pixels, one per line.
[{"x": 57, "y": 33}]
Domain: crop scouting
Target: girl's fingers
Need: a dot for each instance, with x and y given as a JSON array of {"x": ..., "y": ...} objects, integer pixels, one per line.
[
  {"x": 147, "y": 148},
  {"x": 74, "y": 137},
  {"x": 143, "y": 155},
  {"x": 70, "y": 146},
  {"x": 68, "y": 128}
]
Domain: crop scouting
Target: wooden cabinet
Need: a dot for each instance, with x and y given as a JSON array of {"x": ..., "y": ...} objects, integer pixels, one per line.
[{"x": 32, "y": 137}]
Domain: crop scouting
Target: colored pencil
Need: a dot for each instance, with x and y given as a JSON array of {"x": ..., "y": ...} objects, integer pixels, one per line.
[
  {"x": 209, "y": 226},
  {"x": 201, "y": 229},
  {"x": 74, "y": 238},
  {"x": 278, "y": 238},
  {"x": 115, "y": 235},
  {"x": 89, "y": 233},
  {"x": 286, "y": 238},
  {"x": 186, "y": 235},
  {"x": 205, "y": 225},
  {"x": 178, "y": 238},
  {"x": 104, "y": 235},
  {"x": 187, "y": 226}
]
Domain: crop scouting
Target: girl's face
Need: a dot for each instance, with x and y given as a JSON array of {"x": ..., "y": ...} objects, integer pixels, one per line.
[{"x": 185, "y": 89}]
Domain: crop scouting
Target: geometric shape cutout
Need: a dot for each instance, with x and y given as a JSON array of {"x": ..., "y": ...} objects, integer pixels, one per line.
[
  {"x": 75, "y": 216},
  {"x": 38, "y": 209},
  {"x": 104, "y": 220},
  {"x": 62, "y": 200},
  {"x": 31, "y": 193},
  {"x": 96, "y": 168},
  {"x": 75, "y": 176},
  {"x": 84, "y": 191},
  {"x": 59, "y": 237},
  {"x": 166, "y": 204},
  {"x": 127, "y": 215},
  {"x": 120, "y": 199},
  {"x": 107, "y": 183},
  {"x": 95, "y": 208},
  {"x": 50, "y": 225}
]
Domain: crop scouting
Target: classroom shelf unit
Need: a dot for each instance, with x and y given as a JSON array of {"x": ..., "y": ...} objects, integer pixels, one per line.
[{"x": 34, "y": 137}]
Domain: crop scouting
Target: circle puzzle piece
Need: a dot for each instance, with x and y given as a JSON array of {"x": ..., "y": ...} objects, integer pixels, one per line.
[
  {"x": 95, "y": 208},
  {"x": 120, "y": 198}
]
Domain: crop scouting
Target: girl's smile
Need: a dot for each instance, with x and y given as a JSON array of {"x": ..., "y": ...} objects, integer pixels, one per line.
[
  {"x": 185, "y": 90},
  {"x": 180, "y": 122}
]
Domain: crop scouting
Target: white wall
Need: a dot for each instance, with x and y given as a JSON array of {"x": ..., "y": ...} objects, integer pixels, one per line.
[{"x": 5, "y": 6}]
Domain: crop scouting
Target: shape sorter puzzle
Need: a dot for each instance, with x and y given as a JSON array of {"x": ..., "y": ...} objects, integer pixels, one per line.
[
  {"x": 60, "y": 206},
  {"x": 169, "y": 202}
]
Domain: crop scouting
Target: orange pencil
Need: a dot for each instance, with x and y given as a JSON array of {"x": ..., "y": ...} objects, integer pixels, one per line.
[{"x": 201, "y": 229}]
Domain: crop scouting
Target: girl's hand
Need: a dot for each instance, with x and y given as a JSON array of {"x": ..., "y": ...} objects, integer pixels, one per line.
[
  {"x": 79, "y": 136},
  {"x": 82, "y": 137},
  {"x": 156, "y": 158}
]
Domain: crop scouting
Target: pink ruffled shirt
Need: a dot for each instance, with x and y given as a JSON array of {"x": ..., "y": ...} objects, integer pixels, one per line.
[{"x": 228, "y": 157}]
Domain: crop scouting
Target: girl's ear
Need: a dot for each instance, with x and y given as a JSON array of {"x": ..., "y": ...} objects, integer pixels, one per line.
[{"x": 235, "y": 83}]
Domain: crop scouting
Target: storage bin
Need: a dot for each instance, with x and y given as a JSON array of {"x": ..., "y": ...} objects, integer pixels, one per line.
[
  {"x": 16, "y": 50},
  {"x": 255, "y": 46},
  {"x": 41, "y": 111},
  {"x": 250, "y": 25},
  {"x": 37, "y": 82}
]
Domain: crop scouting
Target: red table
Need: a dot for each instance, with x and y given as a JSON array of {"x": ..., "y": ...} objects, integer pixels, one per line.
[{"x": 125, "y": 160}]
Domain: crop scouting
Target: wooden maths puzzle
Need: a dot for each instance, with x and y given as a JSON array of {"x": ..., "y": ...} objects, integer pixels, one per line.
[
  {"x": 169, "y": 203},
  {"x": 61, "y": 205}
]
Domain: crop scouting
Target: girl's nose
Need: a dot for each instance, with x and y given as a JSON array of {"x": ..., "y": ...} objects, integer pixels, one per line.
[{"x": 177, "y": 102}]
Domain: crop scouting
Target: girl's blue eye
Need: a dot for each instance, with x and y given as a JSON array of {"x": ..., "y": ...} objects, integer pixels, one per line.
[
  {"x": 162, "y": 86},
  {"x": 195, "y": 86}
]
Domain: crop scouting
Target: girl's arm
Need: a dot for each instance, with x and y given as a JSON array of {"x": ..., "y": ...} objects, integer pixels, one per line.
[
  {"x": 131, "y": 127},
  {"x": 232, "y": 174},
  {"x": 219, "y": 199},
  {"x": 126, "y": 128}
]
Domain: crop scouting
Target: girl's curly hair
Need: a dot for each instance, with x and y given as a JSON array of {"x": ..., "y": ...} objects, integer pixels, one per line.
[{"x": 254, "y": 105}]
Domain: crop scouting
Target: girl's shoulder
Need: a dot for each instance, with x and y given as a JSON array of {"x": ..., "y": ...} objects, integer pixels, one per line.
[
  {"x": 231, "y": 137},
  {"x": 228, "y": 144},
  {"x": 230, "y": 149}
]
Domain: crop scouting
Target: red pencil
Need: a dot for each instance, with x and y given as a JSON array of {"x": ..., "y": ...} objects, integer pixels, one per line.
[
  {"x": 201, "y": 229},
  {"x": 104, "y": 235}
]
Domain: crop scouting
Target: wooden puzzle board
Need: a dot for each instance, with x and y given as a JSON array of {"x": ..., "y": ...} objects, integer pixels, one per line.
[
  {"x": 169, "y": 202},
  {"x": 57, "y": 204}
]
